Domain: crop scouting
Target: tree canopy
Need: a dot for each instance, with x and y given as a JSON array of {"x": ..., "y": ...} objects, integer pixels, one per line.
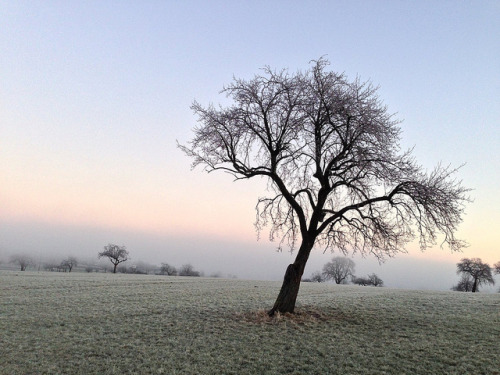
[
  {"x": 338, "y": 178},
  {"x": 480, "y": 272},
  {"x": 22, "y": 260},
  {"x": 496, "y": 266},
  {"x": 116, "y": 254},
  {"x": 69, "y": 263},
  {"x": 339, "y": 269}
]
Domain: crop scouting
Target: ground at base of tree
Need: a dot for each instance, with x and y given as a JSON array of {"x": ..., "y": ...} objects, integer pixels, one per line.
[{"x": 81, "y": 323}]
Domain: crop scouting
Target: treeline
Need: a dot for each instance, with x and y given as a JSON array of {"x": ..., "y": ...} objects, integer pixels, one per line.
[
  {"x": 72, "y": 264},
  {"x": 473, "y": 274},
  {"x": 117, "y": 255}
]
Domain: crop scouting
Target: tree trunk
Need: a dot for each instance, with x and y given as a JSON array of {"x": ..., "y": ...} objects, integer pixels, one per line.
[
  {"x": 285, "y": 303},
  {"x": 474, "y": 286},
  {"x": 114, "y": 268}
]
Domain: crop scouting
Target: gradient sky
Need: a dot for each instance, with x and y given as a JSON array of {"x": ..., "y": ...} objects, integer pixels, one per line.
[{"x": 94, "y": 95}]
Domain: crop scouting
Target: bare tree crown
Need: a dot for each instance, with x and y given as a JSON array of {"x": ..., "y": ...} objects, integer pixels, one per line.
[
  {"x": 496, "y": 267},
  {"x": 476, "y": 268},
  {"x": 339, "y": 269},
  {"x": 330, "y": 151},
  {"x": 22, "y": 260},
  {"x": 116, "y": 254}
]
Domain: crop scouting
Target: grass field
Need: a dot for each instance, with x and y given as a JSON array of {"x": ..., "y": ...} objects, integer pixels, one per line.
[{"x": 60, "y": 323}]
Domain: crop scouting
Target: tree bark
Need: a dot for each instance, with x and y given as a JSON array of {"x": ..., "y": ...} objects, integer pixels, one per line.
[
  {"x": 474, "y": 286},
  {"x": 114, "y": 269},
  {"x": 285, "y": 303}
]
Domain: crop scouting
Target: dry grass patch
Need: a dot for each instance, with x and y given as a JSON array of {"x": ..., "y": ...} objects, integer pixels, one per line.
[{"x": 306, "y": 315}]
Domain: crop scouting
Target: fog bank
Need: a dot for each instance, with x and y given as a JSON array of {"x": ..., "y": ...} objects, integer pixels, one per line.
[{"x": 245, "y": 259}]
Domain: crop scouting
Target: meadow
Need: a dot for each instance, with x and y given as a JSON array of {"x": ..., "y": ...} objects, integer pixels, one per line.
[{"x": 79, "y": 323}]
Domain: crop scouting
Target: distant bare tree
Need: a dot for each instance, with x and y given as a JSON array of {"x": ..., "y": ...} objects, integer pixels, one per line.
[
  {"x": 479, "y": 272},
  {"x": 317, "y": 277},
  {"x": 363, "y": 281},
  {"x": 339, "y": 269},
  {"x": 116, "y": 254},
  {"x": 331, "y": 154},
  {"x": 167, "y": 269},
  {"x": 50, "y": 266},
  {"x": 22, "y": 260},
  {"x": 464, "y": 285},
  {"x": 375, "y": 280},
  {"x": 370, "y": 280},
  {"x": 188, "y": 270},
  {"x": 496, "y": 268},
  {"x": 69, "y": 263}
]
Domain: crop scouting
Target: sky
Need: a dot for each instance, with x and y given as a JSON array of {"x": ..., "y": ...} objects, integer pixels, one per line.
[{"x": 95, "y": 95}]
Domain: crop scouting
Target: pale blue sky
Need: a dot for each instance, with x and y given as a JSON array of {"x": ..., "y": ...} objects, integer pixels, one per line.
[{"x": 94, "y": 95}]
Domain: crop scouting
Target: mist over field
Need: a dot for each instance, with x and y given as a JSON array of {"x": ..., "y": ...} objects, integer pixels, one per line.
[{"x": 250, "y": 259}]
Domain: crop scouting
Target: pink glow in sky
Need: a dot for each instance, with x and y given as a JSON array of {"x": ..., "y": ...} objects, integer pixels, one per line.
[{"x": 94, "y": 95}]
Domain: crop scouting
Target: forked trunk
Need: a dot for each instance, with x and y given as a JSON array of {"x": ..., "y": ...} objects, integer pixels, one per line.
[{"x": 285, "y": 303}]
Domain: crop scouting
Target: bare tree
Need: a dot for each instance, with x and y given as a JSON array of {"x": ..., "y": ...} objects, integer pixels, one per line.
[
  {"x": 51, "y": 266},
  {"x": 337, "y": 178},
  {"x": 69, "y": 263},
  {"x": 167, "y": 269},
  {"x": 22, "y": 260},
  {"x": 479, "y": 272},
  {"x": 188, "y": 270},
  {"x": 339, "y": 269},
  {"x": 372, "y": 279},
  {"x": 116, "y": 254},
  {"x": 496, "y": 268},
  {"x": 375, "y": 280},
  {"x": 363, "y": 281},
  {"x": 464, "y": 285},
  {"x": 316, "y": 277}
]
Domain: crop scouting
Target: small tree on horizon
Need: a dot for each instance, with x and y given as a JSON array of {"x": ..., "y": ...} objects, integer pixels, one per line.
[
  {"x": 363, "y": 281},
  {"x": 339, "y": 269},
  {"x": 116, "y": 254},
  {"x": 496, "y": 268},
  {"x": 167, "y": 269},
  {"x": 479, "y": 272},
  {"x": 69, "y": 263},
  {"x": 372, "y": 279},
  {"x": 464, "y": 285},
  {"x": 317, "y": 277},
  {"x": 375, "y": 280},
  {"x": 188, "y": 270},
  {"x": 22, "y": 260}
]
